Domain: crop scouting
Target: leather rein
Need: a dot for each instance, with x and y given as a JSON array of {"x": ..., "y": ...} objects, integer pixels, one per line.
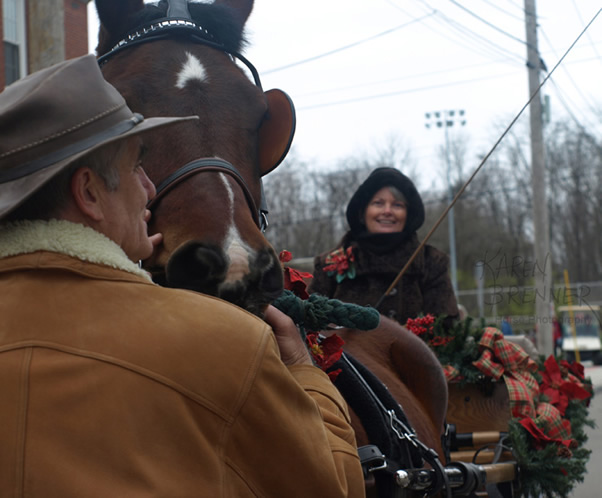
[{"x": 184, "y": 26}]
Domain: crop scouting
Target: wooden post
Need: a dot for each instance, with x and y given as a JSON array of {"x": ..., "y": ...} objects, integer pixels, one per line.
[
  {"x": 46, "y": 33},
  {"x": 543, "y": 261}
]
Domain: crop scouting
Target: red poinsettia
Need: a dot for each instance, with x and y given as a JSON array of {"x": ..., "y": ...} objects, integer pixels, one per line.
[
  {"x": 559, "y": 390},
  {"x": 326, "y": 351},
  {"x": 540, "y": 440},
  {"x": 294, "y": 280},
  {"x": 340, "y": 264},
  {"x": 574, "y": 367}
]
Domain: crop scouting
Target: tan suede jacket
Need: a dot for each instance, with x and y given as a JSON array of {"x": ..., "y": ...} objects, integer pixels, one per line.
[{"x": 111, "y": 386}]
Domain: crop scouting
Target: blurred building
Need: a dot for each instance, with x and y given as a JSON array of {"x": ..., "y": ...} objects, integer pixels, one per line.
[{"x": 38, "y": 33}]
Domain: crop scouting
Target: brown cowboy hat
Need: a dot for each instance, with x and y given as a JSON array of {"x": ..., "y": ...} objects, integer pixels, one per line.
[{"x": 53, "y": 117}]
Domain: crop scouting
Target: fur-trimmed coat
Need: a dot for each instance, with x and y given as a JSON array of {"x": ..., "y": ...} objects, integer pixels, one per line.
[
  {"x": 424, "y": 288},
  {"x": 112, "y": 386}
]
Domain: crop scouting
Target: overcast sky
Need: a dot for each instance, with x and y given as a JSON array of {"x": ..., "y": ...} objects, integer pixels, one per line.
[{"x": 361, "y": 71}]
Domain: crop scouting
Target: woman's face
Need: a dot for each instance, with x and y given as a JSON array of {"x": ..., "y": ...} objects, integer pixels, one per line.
[{"x": 385, "y": 213}]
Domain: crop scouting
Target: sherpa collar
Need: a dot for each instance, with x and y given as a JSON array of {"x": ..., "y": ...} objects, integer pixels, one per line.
[{"x": 64, "y": 237}]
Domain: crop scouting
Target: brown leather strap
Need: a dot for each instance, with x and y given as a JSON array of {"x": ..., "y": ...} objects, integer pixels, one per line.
[{"x": 214, "y": 165}]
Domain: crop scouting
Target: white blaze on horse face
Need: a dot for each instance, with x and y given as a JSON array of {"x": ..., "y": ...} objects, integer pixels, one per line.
[
  {"x": 192, "y": 69},
  {"x": 236, "y": 249}
]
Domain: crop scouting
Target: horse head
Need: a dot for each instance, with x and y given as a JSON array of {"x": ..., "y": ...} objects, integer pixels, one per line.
[{"x": 176, "y": 58}]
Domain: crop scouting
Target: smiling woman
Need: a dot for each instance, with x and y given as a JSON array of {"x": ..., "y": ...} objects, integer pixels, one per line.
[
  {"x": 383, "y": 215},
  {"x": 386, "y": 212}
]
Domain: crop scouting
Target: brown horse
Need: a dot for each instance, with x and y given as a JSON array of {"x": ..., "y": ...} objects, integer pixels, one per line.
[
  {"x": 209, "y": 216},
  {"x": 212, "y": 241}
]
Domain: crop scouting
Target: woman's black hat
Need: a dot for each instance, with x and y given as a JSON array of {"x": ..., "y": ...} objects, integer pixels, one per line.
[{"x": 379, "y": 178}]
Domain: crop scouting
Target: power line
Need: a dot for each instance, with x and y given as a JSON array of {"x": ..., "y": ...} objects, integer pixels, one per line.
[
  {"x": 395, "y": 93},
  {"x": 577, "y": 122},
  {"x": 400, "y": 92},
  {"x": 463, "y": 33},
  {"x": 468, "y": 11},
  {"x": 346, "y": 47},
  {"x": 588, "y": 35},
  {"x": 568, "y": 74},
  {"x": 567, "y": 108},
  {"x": 495, "y": 6},
  {"x": 516, "y": 5},
  {"x": 493, "y": 46},
  {"x": 471, "y": 36},
  {"x": 456, "y": 69}
]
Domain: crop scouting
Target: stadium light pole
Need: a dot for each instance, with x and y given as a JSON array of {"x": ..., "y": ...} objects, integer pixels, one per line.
[{"x": 446, "y": 119}]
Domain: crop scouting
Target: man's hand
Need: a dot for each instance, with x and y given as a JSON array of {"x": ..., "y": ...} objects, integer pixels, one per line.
[{"x": 292, "y": 348}]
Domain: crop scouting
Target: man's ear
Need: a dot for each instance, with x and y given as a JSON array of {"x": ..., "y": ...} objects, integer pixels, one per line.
[{"x": 87, "y": 189}]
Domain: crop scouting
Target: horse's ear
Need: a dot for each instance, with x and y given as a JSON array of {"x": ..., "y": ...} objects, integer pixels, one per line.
[
  {"x": 114, "y": 14},
  {"x": 276, "y": 131},
  {"x": 241, "y": 8}
]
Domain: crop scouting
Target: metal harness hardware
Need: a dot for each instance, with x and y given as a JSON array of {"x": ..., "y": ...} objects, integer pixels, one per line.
[{"x": 373, "y": 460}]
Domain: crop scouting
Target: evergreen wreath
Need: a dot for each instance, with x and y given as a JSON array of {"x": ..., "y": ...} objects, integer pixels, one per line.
[{"x": 550, "y": 463}]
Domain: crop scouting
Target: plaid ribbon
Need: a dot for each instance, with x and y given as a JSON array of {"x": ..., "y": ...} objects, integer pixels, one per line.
[
  {"x": 541, "y": 440},
  {"x": 451, "y": 373},
  {"x": 555, "y": 426},
  {"x": 503, "y": 359}
]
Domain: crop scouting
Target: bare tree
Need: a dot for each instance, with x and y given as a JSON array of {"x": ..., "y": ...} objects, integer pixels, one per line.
[
  {"x": 297, "y": 223},
  {"x": 493, "y": 217},
  {"x": 575, "y": 175}
]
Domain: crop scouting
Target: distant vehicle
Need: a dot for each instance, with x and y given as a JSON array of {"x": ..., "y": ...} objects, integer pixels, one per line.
[{"x": 587, "y": 328}]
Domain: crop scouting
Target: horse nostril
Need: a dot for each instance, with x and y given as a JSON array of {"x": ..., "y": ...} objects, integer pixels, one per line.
[
  {"x": 197, "y": 267},
  {"x": 265, "y": 258},
  {"x": 272, "y": 280}
]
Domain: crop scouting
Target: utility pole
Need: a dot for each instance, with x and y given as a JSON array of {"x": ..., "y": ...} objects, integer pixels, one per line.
[
  {"x": 445, "y": 119},
  {"x": 543, "y": 261}
]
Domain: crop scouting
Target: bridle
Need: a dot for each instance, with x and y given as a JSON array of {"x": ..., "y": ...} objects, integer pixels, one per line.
[
  {"x": 179, "y": 23},
  {"x": 217, "y": 165}
]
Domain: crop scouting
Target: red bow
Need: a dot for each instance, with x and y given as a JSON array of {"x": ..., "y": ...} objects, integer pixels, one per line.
[{"x": 540, "y": 440}]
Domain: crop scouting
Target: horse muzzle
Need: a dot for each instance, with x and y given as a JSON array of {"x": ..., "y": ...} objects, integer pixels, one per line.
[{"x": 249, "y": 280}]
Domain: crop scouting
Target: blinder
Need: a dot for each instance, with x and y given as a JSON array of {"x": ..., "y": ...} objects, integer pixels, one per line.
[{"x": 277, "y": 129}]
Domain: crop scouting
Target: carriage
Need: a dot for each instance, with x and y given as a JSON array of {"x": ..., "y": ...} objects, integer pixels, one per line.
[{"x": 177, "y": 58}]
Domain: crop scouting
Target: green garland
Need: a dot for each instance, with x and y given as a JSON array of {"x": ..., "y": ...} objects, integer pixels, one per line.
[
  {"x": 542, "y": 472},
  {"x": 456, "y": 346}
]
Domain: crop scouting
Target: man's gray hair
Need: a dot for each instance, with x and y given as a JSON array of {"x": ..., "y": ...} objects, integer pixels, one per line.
[{"x": 47, "y": 202}]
